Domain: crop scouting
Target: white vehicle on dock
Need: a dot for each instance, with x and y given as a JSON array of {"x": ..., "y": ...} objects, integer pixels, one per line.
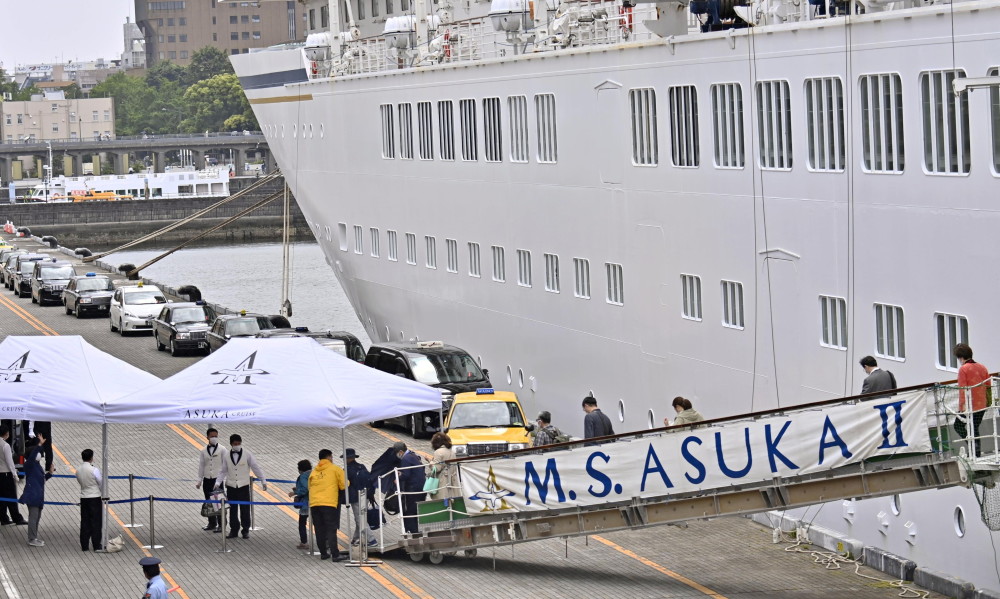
[
  {"x": 133, "y": 308},
  {"x": 175, "y": 183}
]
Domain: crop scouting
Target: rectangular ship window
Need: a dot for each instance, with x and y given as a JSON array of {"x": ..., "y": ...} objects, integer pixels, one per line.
[
  {"x": 406, "y": 131},
  {"x": 691, "y": 297},
  {"x": 446, "y": 129},
  {"x": 499, "y": 265},
  {"x": 431, "y": 244},
  {"x": 732, "y": 304},
  {"x": 374, "y": 242},
  {"x": 684, "y": 148},
  {"x": 517, "y": 109},
  {"x": 645, "y": 148},
  {"x": 470, "y": 147},
  {"x": 995, "y": 120},
  {"x": 425, "y": 130},
  {"x": 545, "y": 118},
  {"x": 524, "y": 268},
  {"x": 833, "y": 315},
  {"x": 825, "y": 123},
  {"x": 474, "y": 259},
  {"x": 411, "y": 248},
  {"x": 774, "y": 125},
  {"x": 951, "y": 330},
  {"x": 391, "y": 243},
  {"x": 890, "y": 339},
  {"x": 452, "y": 248},
  {"x": 359, "y": 240},
  {"x": 552, "y": 273},
  {"x": 727, "y": 125},
  {"x": 882, "y": 123},
  {"x": 375, "y": 7},
  {"x": 581, "y": 267},
  {"x": 388, "y": 132},
  {"x": 616, "y": 284},
  {"x": 342, "y": 230},
  {"x": 946, "y": 123},
  {"x": 492, "y": 130}
]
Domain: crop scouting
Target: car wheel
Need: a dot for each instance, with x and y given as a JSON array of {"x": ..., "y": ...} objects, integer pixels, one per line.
[
  {"x": 173, "y": 349},
  {"x": 69, "y": 310},
  {"x": 159, "y": 346},
  {"x": 377, "y": 424},
  {"x": 113, "y": 327},
  {"x": 77, "y": 311},
  {"x": 413, "y": 426}
]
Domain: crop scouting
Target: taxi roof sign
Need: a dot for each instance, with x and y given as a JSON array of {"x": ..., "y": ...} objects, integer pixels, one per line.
[{"x": 484, "y": 391}]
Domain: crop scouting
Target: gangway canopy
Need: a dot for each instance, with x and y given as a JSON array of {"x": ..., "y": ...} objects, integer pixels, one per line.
[
  {"x": 286, "y": 382},
  {"x": 62, "y": 379}
]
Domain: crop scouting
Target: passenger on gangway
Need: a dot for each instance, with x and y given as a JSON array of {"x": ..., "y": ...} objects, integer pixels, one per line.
[
  {"x": 686, "y": 414},
  {"x": 975, "y": 375},
  {"x": 595, "y": 423},
  {"x": 877, "y": 379}
]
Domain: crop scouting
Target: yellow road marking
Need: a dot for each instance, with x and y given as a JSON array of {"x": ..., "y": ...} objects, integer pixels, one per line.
[
  {"x": 659, "y": 568},
  {"x": 27, "y": 317}
]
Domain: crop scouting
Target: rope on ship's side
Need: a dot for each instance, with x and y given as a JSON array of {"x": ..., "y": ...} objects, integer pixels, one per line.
[
  {"x": 253, "y": 186},
  {"x": 241, "y": 214}
]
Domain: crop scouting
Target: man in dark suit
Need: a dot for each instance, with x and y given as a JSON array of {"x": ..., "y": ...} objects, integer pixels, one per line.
[
  {"x": 412, "y": 481},
  {"x": 877, "y": 379}
]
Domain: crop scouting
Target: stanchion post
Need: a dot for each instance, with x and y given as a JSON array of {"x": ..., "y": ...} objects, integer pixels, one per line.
[
  {"x": 222, "y": 514},
  {"x": 253, "y": 518},
  {"x": 152, "y": 526},
  {"x": 131, "y": 503}
]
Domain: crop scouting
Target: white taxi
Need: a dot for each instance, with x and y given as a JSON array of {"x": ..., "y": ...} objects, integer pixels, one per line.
[{"x": 134, "y": 307}]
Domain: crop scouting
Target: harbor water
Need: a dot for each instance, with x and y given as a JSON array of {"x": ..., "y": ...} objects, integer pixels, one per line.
[{"x": 248, "y": 277}]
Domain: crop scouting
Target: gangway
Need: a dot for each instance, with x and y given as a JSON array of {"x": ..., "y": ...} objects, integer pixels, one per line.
[{"x": 858, "y": 447}]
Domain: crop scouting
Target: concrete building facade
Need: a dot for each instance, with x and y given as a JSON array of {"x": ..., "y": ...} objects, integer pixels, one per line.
[
  {"x": 50, "y": 116},
  {"x": 175, "y": 29}
]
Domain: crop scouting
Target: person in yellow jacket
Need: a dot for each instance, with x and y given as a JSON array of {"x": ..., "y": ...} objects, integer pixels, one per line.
[{"x": 326, "y": 486}]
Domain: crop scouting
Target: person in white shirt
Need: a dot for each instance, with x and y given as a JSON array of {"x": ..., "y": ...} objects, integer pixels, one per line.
[
  {"x": 235, "y": 473},
  {"x": 89, "y": 478},
  {"x": 209, "y": 465},
  {"x": 9, "y": 514}
]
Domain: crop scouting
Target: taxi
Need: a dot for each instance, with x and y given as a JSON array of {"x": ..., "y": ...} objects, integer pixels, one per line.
[
  {"x": 134, "y": 307},
  {"x": 487, "y": 421}
]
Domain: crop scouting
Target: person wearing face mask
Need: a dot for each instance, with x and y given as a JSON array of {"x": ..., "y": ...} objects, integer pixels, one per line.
[
  {"x": 235, "y": 474},
  {"x": 209, "y": 465},
  {"x": 33, "y": 495}
]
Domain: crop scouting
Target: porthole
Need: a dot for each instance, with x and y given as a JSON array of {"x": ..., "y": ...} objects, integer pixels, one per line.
[
  {"x": 371, "y": 327},
  {"x": 310, "y": 131},
  {"x": 321, "y": 130},
  {"x": 509, "y": 377},
  {"x": 651, "y": 419},
  {"x": 295, "y": 131},
  {"x": 959, "y": 521},
  {"x": 520, "y": 378},
  {"x": 895, "y": 505},
  {"x": 621, "y": 411},
  {"x": 386, "y": 333}
]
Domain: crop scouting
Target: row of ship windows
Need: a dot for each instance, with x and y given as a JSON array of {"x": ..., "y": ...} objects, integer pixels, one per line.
[
  {"x": 525, "y": 278},
  {"x": 945, "y": 124},
  {"x": 890, "y": 329}
]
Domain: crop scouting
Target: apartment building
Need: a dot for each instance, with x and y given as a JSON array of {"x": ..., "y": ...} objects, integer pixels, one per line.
[
  {"x": 175, "y": 29},
  {"x": 51, "y": 116}
]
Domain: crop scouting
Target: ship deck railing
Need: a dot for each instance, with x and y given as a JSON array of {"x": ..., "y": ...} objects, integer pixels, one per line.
[{"x": 446, "y": 528}]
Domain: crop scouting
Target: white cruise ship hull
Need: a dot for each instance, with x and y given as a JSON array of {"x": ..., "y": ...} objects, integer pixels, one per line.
[{"x": 917, "y": 240}]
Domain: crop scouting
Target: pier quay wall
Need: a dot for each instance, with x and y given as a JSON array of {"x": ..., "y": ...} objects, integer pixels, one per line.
[{"x": 98, "y": 224}]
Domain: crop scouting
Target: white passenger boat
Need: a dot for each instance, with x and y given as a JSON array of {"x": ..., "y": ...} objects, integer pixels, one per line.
[
  {"x": 732, "y": 203},
  {"x": 175, "y": 183}
]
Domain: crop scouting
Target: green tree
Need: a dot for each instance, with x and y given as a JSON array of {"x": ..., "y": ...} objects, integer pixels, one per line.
[
  {"x": 210, "y": 104},
  {"x": 132, "y": 98},
  {"x": 207, "y": 63},
  {"x": 166, "y": 75}
]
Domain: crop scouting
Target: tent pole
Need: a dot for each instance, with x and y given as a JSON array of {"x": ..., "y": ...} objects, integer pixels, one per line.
[{"x": 104, "y": 485}]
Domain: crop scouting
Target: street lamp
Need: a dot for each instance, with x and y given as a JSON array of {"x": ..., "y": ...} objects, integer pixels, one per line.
[{"x": 46, "y": 181}]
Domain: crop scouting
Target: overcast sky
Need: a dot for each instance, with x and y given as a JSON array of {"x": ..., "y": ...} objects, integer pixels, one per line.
[{"x": 46, "y": 31}]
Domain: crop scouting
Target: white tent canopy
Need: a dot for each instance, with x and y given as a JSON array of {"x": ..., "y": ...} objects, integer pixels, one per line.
[
  {"x": 62, "y": 379},
  {"x": 291, "y": 382}
]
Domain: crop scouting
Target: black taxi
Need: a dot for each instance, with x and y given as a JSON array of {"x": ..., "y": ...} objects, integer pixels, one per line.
[
  {"x": 342, "y": 342},
  {"x": 183, "y": 327},
  {"x": 244, "y": 324},
  {"x": 88, "y": 294},
  {"x": 48, "y": 280}
]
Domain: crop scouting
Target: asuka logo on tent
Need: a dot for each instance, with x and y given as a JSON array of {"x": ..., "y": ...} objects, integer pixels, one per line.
[
  {"x": 17, "y": 368},
  {"x": 241, "y": 374}
]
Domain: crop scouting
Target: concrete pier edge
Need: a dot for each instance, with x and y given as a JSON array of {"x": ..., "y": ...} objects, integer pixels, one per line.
[{"x": 874, "y": 557}]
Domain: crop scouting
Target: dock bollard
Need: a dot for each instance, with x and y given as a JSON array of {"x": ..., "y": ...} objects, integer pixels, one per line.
[
  {"x": 152, "y": 527},
  {"x": 222, "y": 514},
  {"x": 253, "y": 518},
  {"x": 131, "y": 504}
]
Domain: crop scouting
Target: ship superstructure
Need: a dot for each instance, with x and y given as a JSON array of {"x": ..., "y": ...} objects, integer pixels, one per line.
[{"x": 729, "y": 203}]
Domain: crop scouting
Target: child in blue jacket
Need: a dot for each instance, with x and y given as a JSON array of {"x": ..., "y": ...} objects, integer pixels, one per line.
[{"x": 301, "y": 495}]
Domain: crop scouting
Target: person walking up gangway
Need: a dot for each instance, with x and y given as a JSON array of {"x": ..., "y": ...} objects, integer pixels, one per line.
[{"x": 975, "y": 375}]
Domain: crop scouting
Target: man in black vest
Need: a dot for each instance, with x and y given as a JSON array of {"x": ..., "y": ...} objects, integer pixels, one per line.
[{"x": 235, "y": 473}]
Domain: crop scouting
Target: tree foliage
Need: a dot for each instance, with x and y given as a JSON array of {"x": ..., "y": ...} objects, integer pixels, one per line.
[{"x": 169, "y": 98}]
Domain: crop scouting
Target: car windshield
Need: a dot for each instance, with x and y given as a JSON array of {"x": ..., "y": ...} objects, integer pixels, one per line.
[
  {"x": 94, "y": 284},
  {"x": 56, "y": 272},
  {"x": 27, "y": 267},
  {"x": 12, "y": 260},
  {"x": 247, "y": 326},
  {"x": 431, "y": 369},
  {"x": 486, "y": 414},
  {"x": 138, "y": 298},
  {"x": 196, "y": 314}
]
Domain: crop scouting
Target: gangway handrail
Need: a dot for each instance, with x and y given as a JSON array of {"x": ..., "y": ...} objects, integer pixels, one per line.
[{"x": 715, "y": 421}]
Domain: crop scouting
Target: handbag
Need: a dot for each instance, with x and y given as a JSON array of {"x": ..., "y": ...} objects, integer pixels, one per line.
[
  {"x": 431, "y": 484},
  {"x": 374, "y": 518},
  {"x": 210, "y": 509}
]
